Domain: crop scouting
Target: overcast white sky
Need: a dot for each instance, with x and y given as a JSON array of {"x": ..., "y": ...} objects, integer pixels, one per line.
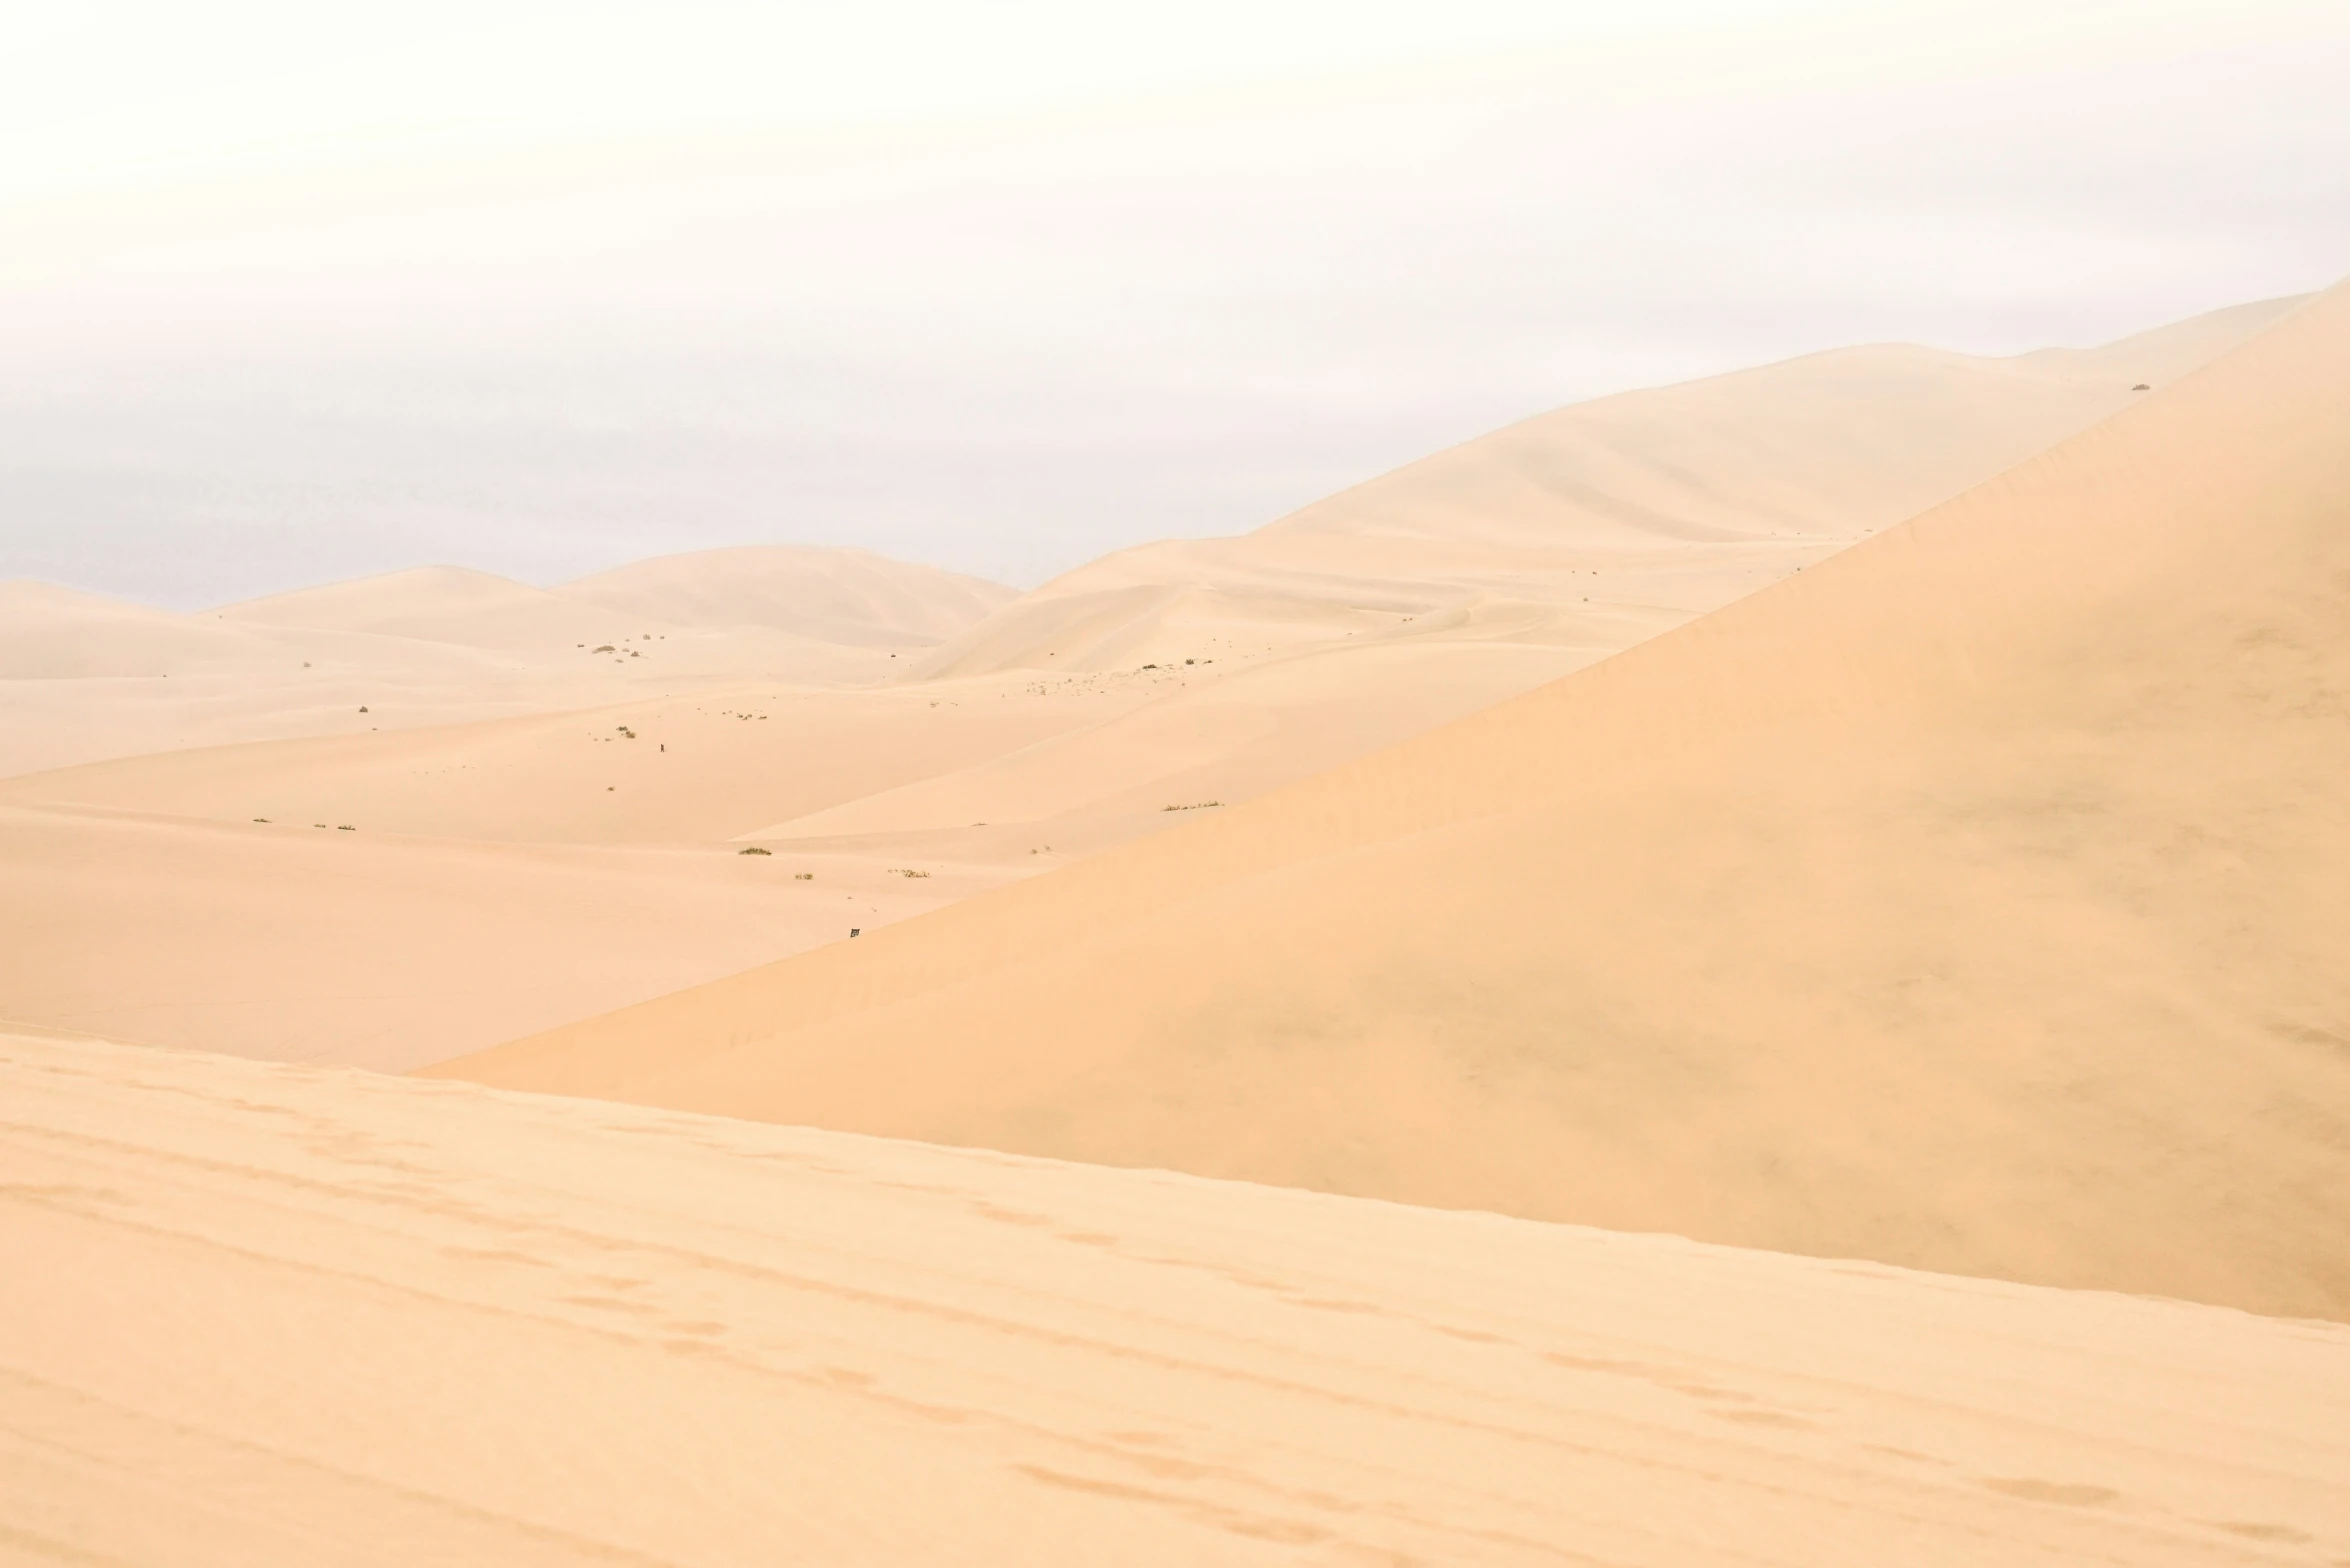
[{"x": 295, "y": 292}]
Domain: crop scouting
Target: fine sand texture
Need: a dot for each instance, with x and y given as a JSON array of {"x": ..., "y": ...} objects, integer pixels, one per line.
[
  {"x": 273, "y": 1314},
  {"x": 1978, "y": 900}
]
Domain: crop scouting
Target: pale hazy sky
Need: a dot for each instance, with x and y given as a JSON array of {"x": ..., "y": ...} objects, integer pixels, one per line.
[{"x": 294, "y": 292}]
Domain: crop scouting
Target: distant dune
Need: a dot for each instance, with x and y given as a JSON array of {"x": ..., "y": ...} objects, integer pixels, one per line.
[
  {"x": 835, "y": 595},
  {"x": 83, "y": 678},
  {"x": 1977, "y": 900},
  {"x": 264, "y": 1315},
  {"x": 1483, "y": 571},
  {"x": 844, "y": 596},
  {"x": 437, "y": 604},
  {"x": 1605, "y": 521}
]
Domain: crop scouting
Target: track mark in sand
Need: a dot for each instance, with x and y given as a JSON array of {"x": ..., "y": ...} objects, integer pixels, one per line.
[
  {"x": 42, "y": 1549},
  {"x": 1910, "y": 1454},
  {"x": 611, "y": 1304},
  {"x": 1761, "y": 1418},
  {"x": 2284, "y": 1534},
  {"x": 1143, "y": 1439},
  {"x": 2072, "y": 1495},
  {"x": 1473, "y": 1336},
  {"x": 70, "y": 1406},
  {"x": 1167, "y": 1469},
  {"x": 1289, "y": 1531},
  {"x": 61, "y": 1193},
  {"x": 493, "y": 1255},
  {"x": 1746, "y": 1408}
]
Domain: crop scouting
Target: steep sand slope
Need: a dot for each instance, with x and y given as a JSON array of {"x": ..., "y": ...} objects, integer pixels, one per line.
[
  {"x": 1606, "y": 521},
  {"x": 1978, "y": 900},
  {"x": 260, "y": 1314},
  {"x": 836, "y": 595}
]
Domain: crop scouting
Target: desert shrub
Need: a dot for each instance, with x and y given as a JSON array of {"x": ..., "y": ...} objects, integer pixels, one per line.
[{"x": 754, "y": 850}]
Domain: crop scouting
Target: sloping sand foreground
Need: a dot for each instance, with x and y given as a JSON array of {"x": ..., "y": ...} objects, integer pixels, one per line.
[{"x": 257, "y": 1313}]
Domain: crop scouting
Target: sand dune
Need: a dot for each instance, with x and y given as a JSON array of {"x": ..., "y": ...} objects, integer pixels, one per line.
[
  {"x": 140, "y": 897},
  {"x": 1408, "y": 602},
  {"x": 842, "y": 596},
  {"x": 439, "y": 604},
  {"x": 296, "y": 940},
  {"x": 498, "y": 877},
  {"x": 269, "y": 1314},
  {"x": 85, "y": 679},
  {"x": 1606, "y": 521},
  {"x": 692, "y": 769},
  {"x": 343, "y": 699},
  {"x": 53, "y": 633},
  {"x": 1190, "y": 741},
  {"x": 835, "y": 595},
  {"x": 1977, "y": 900}
]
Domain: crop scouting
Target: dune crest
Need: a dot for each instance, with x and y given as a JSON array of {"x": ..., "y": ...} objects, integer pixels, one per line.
[
  {"x": 1977, "y": 901},
  {"x": 1605, "y": 521}
]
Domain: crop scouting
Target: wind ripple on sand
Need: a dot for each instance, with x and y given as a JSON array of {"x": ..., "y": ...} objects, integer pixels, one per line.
[{"x": 261, "y": 1313}]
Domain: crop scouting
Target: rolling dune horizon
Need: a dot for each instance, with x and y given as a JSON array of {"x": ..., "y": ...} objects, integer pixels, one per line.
[{"x": 1750, "y": 970}]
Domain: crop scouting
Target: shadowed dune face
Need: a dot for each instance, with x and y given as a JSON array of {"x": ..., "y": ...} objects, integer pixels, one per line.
[
  {"x": 1978, "y": 901},
  {"x": 266, "y": 1314}
]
